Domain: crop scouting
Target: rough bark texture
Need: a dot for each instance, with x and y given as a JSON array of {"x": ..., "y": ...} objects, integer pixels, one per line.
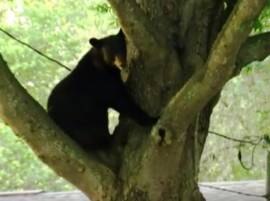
[
  {"x": 30, "y": 122},
  {"x": 180, "y": 54}
]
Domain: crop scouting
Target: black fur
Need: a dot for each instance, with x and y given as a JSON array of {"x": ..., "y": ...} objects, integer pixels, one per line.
[{"x": 78, "y": 104}]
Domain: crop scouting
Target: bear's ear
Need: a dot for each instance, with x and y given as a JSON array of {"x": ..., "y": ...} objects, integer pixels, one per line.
[
  {"x": 121, "y": 33},
  {"x": 95, "y": 42}
]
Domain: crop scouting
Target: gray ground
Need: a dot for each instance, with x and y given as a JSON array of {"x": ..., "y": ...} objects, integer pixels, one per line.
[{"x": 211, "y": 191}]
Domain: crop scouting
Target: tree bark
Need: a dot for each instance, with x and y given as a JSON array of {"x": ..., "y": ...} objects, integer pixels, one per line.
[
  {"x": 30, "y": 122},
  {"x": 256, "y": 48},
  {"x": 167, "y": 161},
  {"x": 179, "y": 57}
]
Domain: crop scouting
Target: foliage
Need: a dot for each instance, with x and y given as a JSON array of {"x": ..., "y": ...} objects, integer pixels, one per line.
[
  {"x": 20, "y": 169},
  {"x": 262, "y": 24},
  {"x": 61, "y": 29},
  {"x": 243, "y": 110}
]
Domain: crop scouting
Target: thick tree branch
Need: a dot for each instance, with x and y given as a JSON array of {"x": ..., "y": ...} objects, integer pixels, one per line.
[
  {"x": 256, "y": 48},
  {"x": 30, "y": 122},
  {"x": 149, "y": 50},
  {"x": 209, "y": 80},
  {"x": 136, "y": 24}
]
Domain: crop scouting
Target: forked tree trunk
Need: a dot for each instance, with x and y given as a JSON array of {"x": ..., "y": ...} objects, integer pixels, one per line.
[
  {"x": 180, "y": 54},
  {"x": 168, "y": 175},
  {"x": 169, "y": 42}
]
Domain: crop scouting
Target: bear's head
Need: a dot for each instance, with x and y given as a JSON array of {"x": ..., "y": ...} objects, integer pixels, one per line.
[{"x": 111, "y": 49}]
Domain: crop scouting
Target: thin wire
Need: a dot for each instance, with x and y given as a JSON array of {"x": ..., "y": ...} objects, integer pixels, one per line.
[
  {"x": 252, "y": 163},
  {"x": 233, "y": 139},
  {"x": 34, "y": 49},
  {"x": 231, "y": 191}
]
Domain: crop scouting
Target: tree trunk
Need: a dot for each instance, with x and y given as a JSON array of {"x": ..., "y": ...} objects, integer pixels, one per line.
[
  {"x": 180, "y": 55},
  {"x": 169, "y": 43}
]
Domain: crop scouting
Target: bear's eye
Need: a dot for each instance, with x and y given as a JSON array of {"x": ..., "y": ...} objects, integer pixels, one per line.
[{"x": 107, "y": 56}]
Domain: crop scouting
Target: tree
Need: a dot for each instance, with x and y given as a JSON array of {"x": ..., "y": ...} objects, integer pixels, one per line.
[{"x": 180, "y": 55}]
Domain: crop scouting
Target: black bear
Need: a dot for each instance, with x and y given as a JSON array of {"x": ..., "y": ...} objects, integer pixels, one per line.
[{"x": 78, "y": 104}]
